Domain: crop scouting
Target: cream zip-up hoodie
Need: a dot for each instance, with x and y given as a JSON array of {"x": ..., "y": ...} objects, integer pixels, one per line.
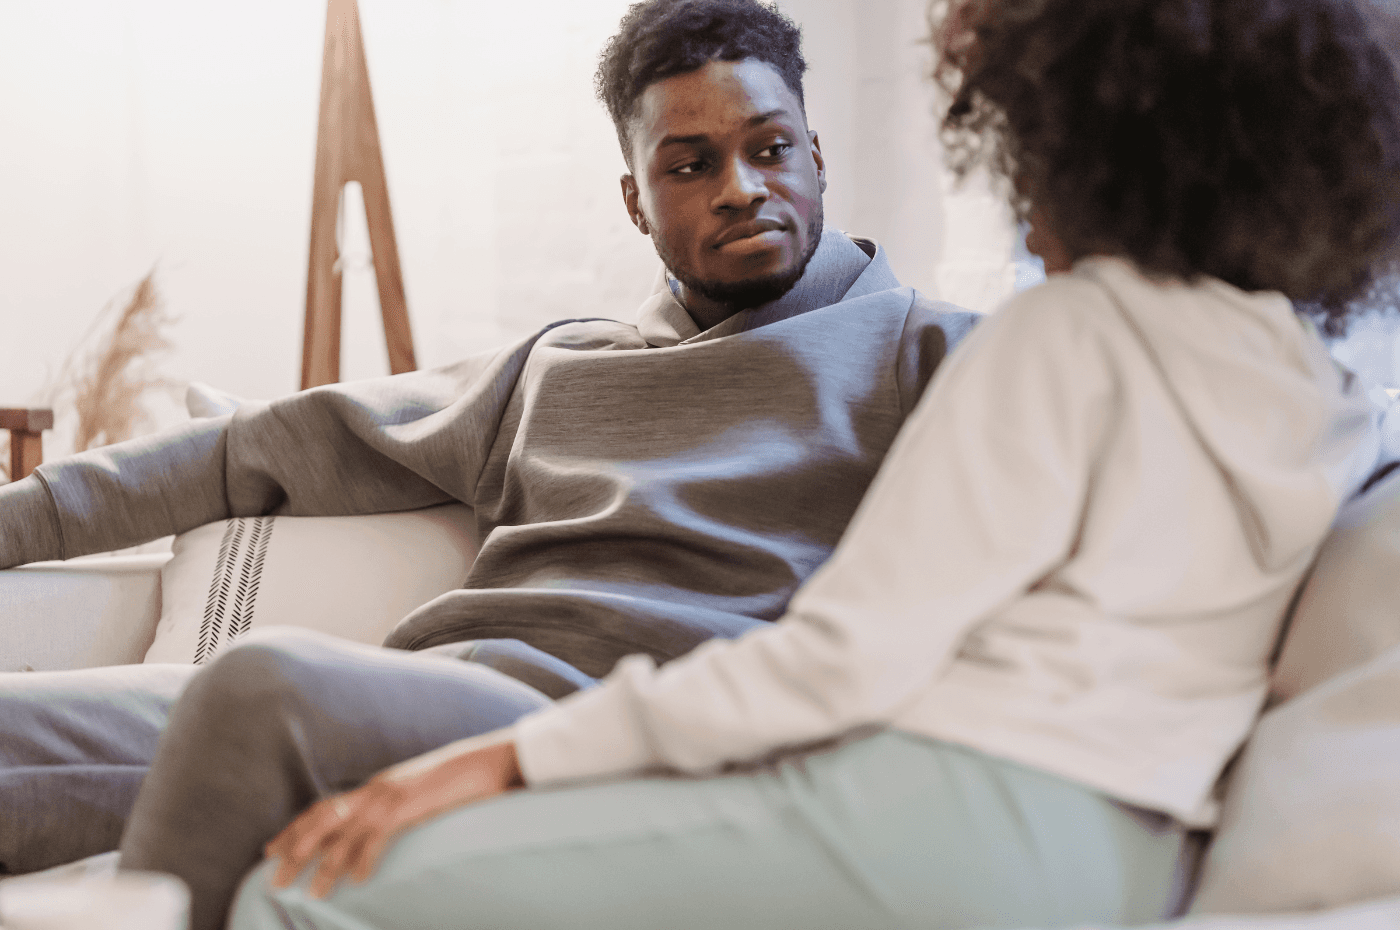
[{"x": 1076, "y": 557}]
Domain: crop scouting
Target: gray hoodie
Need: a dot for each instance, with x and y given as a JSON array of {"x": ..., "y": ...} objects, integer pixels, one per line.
[{"x": 639, "y": 488}]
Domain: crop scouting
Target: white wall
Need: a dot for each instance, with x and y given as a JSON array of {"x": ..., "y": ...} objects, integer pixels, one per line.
[{"x": 182, "y": 134}]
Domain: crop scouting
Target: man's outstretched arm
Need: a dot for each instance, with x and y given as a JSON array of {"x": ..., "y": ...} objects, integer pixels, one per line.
[
  {"x": 175, "y": 472},
  {"x": 383, "y": 444}
]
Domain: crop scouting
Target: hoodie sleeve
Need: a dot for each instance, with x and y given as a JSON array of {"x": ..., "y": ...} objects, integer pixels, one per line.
[
  {"x": 394, "y": 443},
  {"x": 932, "y": 329},
  {"x": 981, "y": 495}
]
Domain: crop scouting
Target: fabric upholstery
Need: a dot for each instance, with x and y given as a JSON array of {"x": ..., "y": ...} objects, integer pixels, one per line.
[
  {"x": 1312, "y": 815},
  {"x": 354, "y": 577},
  {"x": 82, "y": 613},
  {"x": 1346, "y": 611}
]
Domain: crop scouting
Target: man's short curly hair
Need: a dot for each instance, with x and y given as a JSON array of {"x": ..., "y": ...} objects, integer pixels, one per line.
[
  {"x": 1257, "y": 141},
  {"x": 659, "y": 39}
]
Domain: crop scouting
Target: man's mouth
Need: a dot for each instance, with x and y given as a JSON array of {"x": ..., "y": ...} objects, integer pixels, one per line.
[{"x": 749, "y": 230}]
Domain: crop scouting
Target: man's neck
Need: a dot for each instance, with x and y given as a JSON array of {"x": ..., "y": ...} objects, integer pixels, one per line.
[
  {"x": 704, "y": 311},
  {"x": 834, "y": 267}
]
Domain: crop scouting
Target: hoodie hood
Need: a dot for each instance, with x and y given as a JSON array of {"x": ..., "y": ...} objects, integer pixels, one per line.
[{"x": 1274, "y": 431}]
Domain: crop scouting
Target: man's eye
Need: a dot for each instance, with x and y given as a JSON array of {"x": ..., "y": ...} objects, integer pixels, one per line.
[
  {"x": 776, "y": 150},
  {"x": 690, "y": 167}
]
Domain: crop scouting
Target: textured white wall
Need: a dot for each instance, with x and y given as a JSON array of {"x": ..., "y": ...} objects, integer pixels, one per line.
[{"x": 162, "y": 131}]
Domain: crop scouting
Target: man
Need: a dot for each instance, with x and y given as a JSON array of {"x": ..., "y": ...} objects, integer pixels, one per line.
[{"x": 640, "y": 488}]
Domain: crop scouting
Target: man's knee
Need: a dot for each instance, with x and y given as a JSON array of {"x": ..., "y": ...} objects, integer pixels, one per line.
[{"x": 269, "y": 666}]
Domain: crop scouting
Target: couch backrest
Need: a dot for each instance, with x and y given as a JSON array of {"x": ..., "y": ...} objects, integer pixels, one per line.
[{"x": 1348, "y": 609}]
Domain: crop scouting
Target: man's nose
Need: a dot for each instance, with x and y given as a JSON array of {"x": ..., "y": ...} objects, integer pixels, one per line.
[{"x": 742, "y": 186}]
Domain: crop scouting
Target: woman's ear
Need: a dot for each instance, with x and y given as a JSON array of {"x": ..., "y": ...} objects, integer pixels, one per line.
[{"x": 1042, "y": 241}]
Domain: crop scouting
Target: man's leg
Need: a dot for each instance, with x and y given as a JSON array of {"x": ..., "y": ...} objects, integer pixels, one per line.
[
  {"x": 891, "y": 832},
  {"x": 74, "y": 747},
  {"x": 280, "y": 720},
  {"x": 552, "y": 677}
]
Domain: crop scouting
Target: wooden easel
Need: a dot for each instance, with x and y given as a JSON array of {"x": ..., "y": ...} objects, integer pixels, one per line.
[{"x": 347, "y": 149}]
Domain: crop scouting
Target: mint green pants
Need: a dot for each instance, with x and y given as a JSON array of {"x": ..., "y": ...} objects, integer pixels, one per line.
[{"x": 886, "y": 831}]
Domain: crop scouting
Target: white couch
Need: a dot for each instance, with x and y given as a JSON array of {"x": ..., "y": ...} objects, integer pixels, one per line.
[
  {"x": 104, "y": 610},
  {"x": 83, "y": 613}
]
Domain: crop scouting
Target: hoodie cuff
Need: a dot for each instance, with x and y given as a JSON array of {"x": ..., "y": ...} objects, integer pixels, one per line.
[
  {"x": 588, "y": 735},
  {"x": 29, "y": 530}
]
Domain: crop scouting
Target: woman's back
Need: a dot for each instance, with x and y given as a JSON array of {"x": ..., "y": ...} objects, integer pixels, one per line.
[{"x": 1205, "y": 440}]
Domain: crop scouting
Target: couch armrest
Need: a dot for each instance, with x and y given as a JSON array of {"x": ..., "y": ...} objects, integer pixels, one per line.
[{"x": 81, "y": 613}]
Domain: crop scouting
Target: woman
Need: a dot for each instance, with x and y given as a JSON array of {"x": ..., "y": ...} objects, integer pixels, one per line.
[{"x": 1008, "y": 696}]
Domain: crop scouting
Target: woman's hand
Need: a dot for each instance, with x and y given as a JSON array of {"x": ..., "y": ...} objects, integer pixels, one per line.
[{"x": 349, "y": 832}]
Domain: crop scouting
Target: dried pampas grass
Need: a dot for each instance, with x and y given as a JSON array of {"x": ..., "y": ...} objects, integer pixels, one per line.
[{"x": 100, "y": 387}]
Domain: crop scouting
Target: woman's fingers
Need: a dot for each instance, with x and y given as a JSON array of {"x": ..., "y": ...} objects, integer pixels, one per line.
[
  {"x": 376, "y": 815},
  {"x": 368, "y": 856},
  {"x": 309, "y": 822},
  {"x": 403, "y": 810},
  {"x": 332, "y": 865},
  {"x": 374, "y": 818},
  {"x": 327, "y": 818},
  {"x": 316, "y": 828},
  {"x": 350, "y": 832}
]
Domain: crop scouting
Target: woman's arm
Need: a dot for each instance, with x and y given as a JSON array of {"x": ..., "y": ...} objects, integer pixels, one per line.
[{"x": 982, "y": 495}]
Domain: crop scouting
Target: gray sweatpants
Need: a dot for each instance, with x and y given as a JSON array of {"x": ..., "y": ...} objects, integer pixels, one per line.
[
  {"x": 867, "y": 835},
  {"x": 74, "y": 747},
  {"x": 272, "y": 724},
  {"x": 280, "y": 720}
]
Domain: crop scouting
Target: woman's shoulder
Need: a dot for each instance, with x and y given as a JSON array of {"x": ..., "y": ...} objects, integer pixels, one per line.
[
  {"x": 1064, "y": 312},
  {"x": 1113, "y": 299},
  {"x": 1060, "y": 297},
  {"x": 1057, "y": 337}
]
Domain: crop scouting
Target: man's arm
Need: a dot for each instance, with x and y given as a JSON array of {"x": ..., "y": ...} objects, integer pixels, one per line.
[
  {"x": 395, "y": 443},
  {"x": 932, "y": 329},
  {"x": 29, "y": 526}
]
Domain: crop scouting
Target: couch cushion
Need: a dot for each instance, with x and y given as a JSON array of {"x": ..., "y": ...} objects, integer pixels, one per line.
[
  {"x": 1382, "y": 914},
  {"x": 90, "y": 611},
  {"x": 354, "y": 577},
  {"x": 1312, "y": 816},
  {"x": 1346, "y": 611}
]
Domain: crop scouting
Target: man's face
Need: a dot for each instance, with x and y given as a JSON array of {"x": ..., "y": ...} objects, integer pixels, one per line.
[{"x": 728, "y": 183}]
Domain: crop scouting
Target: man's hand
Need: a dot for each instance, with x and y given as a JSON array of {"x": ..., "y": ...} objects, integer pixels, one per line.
[{"x": 349, "y": 832}]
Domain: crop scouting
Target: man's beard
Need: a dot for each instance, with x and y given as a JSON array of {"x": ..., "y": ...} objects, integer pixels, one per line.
[{"x": 753, "y": 292}]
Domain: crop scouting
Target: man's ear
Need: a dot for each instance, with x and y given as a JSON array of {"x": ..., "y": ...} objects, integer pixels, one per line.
[
  {"x": 816, "y": 145},
  {"x": 631, "y": 197}
]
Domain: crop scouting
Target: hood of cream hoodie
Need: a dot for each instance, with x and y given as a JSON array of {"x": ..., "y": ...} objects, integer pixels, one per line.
[{"x": 1260, "y": 422}]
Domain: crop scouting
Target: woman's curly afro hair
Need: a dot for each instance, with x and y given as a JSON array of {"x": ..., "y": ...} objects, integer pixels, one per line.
[
  {"x": 1257, "y": 141},
  {"x": 662, "y": 38}
]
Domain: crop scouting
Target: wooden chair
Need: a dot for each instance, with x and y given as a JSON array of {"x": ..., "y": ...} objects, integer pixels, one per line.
[{"x": 26, "y": 426}]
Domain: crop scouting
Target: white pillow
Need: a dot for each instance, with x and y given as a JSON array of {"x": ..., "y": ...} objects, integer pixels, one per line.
[
  {"x": 202, "y": 400},
  {"x": 354, "y": 577},
  {"x": 1346, "y": 612},
  {"x": 1312, "y": 815}
]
